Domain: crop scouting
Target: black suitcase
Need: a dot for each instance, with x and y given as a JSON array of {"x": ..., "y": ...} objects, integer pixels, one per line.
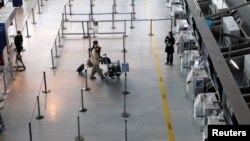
[
  {"x": 80, "y": 68},
  {"x": 17, "y": 3}
]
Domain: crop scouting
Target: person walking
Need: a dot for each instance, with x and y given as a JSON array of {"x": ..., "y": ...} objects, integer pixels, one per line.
[
  {"x": 95, "y": 59},
  {"x": 169, "y": 49},
  {"x": 95, "y": 44},
  {"x": 19, "y": 42},
  {"x": 19, "y": 48}
]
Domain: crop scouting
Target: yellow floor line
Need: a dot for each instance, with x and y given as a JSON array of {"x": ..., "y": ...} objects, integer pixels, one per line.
[{"x": 170, "y": 130}]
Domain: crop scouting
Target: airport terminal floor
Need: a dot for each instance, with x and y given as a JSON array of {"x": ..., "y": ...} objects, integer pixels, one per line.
[{"x": 158, "y": 106}]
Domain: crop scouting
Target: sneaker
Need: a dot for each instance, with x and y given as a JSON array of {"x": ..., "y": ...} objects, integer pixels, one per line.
[
  {"x": 103, "y": 78},
  {"x": 166, "y": 63},
  {"x": 93, "y": 78}
]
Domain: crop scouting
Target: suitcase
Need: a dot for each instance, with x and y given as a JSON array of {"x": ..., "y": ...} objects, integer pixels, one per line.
[
  {"x": 1, "y": 3},
  {"x": 80, "y": 68},
  {"x": 17, "y": 3},
  {"x": 1, "y": 124}
]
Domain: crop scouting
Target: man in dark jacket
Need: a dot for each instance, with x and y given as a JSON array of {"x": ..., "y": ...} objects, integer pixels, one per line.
[
  {"x": 169, "y": 41},
  {"x": 19, "y": 42},
  {"x": 19, "y": 48}
]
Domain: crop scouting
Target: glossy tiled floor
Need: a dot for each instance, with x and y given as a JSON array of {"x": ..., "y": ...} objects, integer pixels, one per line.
[{"x": 104, "y": 102}]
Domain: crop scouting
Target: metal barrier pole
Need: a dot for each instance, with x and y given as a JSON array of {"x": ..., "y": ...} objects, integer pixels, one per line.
[
  {"x": 82, "y": 109},
  {"x": 133, "y": 10},
  {"x": 124, "y": 50},
  {"x": 91, "y": 10},
  {"x": 91, "y": 3},
  {"x": 39, "y": 117},
  {"x": 124, "y": 114},
  {"x": 78, "y": 137},
  {"x": 90, "y": 20},
  {"x": 126, "y": 131},
  {"x": 62, "y": 31},
  {"x": 56, "y": 56},
  {"x": 42, "y": 3},
  {"x": 131, "y": 26},
  {"x": 125, "y": 28},
  {"x": 88, "y": 29},
  {"x": 45, "y": 84},
  {"x": 114, "y": 7},
  {"x": 38, "y": 4},
  {"x": 113, "y": 18},
  {"x": 70, "y": 3},
  {"x": 83, "y": 30},
  {"x": 59, "y": 38},
  {"x": 63, "y": 27},
  {"x": 5, "y": 91},
  {"x": 70, "y": 10},
  {"x": 27, "y": 29},
  {"x": 132, "y": 2},
  {"x": 171, "y": 24},
  {"x": 30, "y": 131},
  {"x": 125, "y": 92},
  {"x": 65, "y": 12},
  {"x": 33, "y": 16},
  {"x": 151, "y": 29},
  {"x": 52, "y": 60},
  {"x": 86, "y": 81}
]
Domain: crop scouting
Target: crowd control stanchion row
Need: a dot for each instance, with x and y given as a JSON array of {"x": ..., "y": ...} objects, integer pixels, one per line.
[
  {"x": 39, "y": 3},
  {"x": 57, "y": 45},
  {"x": 37, "y": 105},
  {"x": 125, "y": 92}
]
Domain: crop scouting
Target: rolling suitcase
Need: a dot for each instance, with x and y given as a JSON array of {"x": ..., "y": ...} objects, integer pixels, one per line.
[
  {"x": 17, "y": 3},
  {"x": 80, "y": 68}
]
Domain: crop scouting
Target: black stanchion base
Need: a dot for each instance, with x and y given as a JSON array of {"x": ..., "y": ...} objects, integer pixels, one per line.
[
  {"x": 113, "y": 27},
  {"x": 83, "y": 110},
  {"x": 28, "y": 36},
  {"x": 46, "y": 91},
  {"x": 125, "y": 115},
  {"x": 79, "y": 138},
  {"x": 60, "y": 46},
  {"x": 85, "y": 37},
  {"x": 151, "y": 34},
  {"x": 132, "y": 27},
  {"x": 125, "y": 92},
  {"x": 33, "y": 22},
  {"x": 39, "y": 117},
  {"x": 39, "y": 12},
  {"x": 124, "y": 51},
  {"x": 86, "y": 89}
]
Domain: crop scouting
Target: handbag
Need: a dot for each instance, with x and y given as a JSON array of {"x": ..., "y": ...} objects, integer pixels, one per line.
[{"x": 89, "y": 63}]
